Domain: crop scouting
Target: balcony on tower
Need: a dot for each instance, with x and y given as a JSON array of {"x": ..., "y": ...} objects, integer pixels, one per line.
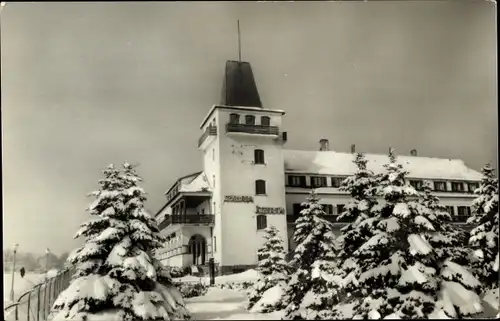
[
  {"x": 249, "y": 126},
  {"x": 207, "y": 137}
]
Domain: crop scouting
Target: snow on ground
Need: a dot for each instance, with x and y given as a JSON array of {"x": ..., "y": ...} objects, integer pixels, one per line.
[
  {"x": 225, "y": 304},
  {"x": 247, "y": 276},
  {"x": 269, "y": 297}
]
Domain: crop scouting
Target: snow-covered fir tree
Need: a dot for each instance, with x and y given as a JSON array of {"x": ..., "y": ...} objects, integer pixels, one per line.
[
  {"x": 117, "y": 276},
  {"x": 272, "y": 267},
  {"x": 448, "y": 240},
  {"x": 484, "y": 237},
  {"x": 358, "y": 214},
  {"x": 401, "y": 275},
  {"x": 310, "y": 291}
]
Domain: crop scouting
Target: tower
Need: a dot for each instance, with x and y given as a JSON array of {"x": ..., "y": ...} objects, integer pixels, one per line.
[{"x": 243, "y": 161}]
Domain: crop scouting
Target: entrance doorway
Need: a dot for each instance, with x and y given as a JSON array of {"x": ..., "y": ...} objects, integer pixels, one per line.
[{"x": 198, "y": 249}]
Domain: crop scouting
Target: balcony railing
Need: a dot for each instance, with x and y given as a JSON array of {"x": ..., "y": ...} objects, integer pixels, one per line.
[
  {"x": 252, "y": 129},
  {"x": 210, "y": 131},
  {"x": 202, "y": 219},
  {"x": 460, "y": 218}
]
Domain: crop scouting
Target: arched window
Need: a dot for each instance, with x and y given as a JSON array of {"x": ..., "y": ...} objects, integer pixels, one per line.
[
  {"x": 265, "y": 121},
  {"x": 234, "y": 118},
  {"x": 259, "y": 156},
  {"x": 261, "y": 222},
  {"x": 260, "y": 187},
  {"x": 250, "y": 120}
]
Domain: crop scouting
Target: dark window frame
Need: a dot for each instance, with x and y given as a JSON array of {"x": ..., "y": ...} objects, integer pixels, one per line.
[
  {"x": 340, "y": 208},
  {"x": 249, "y": 120},
  {"x": 258, "y": 157},
  {"x": 475, "y": 185},
  {"x": 260, "y": 187},
  {"x": 324, "y": 182},
  {"x": 417, "y": 184},
  {"x": 265, "y": 121},
  {"x": 455, "y": 184},
  {"x": 445, "y": 186},
  {"x": 301, "y": 180},
  {"x": 261, "y": 222},
  {"x": 337, "y": 179},
  {"x": 234, "y": 118}
]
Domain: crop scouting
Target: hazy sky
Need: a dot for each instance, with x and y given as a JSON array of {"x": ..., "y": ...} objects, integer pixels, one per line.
[{"x": 87, "y": 84}]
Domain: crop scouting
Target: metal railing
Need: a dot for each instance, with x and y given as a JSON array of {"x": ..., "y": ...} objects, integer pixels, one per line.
[
  {"x": 329, "y": 217},
  {"x": 252, "y": 129},
  {"x": 36, "y": 303},
  {"x": 187, "y": 219},
  {"x": 210, "y": 131}
]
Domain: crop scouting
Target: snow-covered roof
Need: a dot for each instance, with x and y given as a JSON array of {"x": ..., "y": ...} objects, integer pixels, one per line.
[
  {"x": 196, "y": 182},
  {"x": 335, "y": 163}
]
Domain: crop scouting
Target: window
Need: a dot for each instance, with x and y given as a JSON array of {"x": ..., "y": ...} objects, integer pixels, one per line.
[
  {"x": 337, "y": 181},
  {"x": 296, "y": 181},
  {"x": 450, "y": 210},
  {"x": 417, "y": 184},
  {"x": 214, "y": 208},
  {"x": 259, "y": 156},
  {"x": 318, "y": 181},
  {"x": 296, "y": 209},
  {"x": 328, "y": 208},
  {"x": 463, "y": 210},
  {"x": 440, "y": 186},
  {"x": 340, "y": 208},
  {"x": 250, "y": 120},
  {"x": 202, "y": 211},
  {"x": 260, "y": 187},
  {"x": 457, "y": 186},
  {"x": 265, "y": 121},
  {"x": 261, "y": 222},
  {"x": 472, "y": 187},
  {"x": 215, "y": 244},
  {"x": 234, "y": 118}
]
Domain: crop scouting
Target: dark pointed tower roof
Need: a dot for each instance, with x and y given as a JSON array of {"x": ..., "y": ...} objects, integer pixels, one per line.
[{"x": 238, "y": 87}]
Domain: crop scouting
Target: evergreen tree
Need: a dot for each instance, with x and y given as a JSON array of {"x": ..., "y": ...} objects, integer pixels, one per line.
[
  {"x": 448, "y": 240},
  {"x": 484, "y": 237},
  {"x": 117, "y": 277},
  {"x": 310, "y": 291},
  {"x": 358, "y": 212},
  {"x": 401, "y": 275},
  {"x": 272, "y": 267}
]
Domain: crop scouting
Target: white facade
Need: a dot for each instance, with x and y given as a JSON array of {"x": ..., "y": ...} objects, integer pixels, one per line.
[
  {"x": 228, "y": 223},
  {"x": 249, "y": 182}
]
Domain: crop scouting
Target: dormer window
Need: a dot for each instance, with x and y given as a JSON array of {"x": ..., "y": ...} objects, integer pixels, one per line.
[
  {"x": 249, "y": 120},
  {"x": 234, "y": 118},
  {"x": 440, "y": 186},
  {"x": 265, "y": 121}
]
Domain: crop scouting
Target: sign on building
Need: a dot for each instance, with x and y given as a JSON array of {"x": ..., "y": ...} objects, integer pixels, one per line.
[
  {"x": 238, "y": 199},
  {"x": 270, "y": 210}
]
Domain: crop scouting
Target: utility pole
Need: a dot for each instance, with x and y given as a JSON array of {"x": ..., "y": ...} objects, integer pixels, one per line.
[{"x": 13, "y": 272}]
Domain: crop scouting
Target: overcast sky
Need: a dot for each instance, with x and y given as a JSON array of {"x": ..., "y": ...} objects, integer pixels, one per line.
[{"x": 87, "y": 84}]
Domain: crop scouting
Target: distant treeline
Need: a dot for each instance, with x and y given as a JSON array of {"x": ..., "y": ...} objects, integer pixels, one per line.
[{"x": 34, "y": 262}]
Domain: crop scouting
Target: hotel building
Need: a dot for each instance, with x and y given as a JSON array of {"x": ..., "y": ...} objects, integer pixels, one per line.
[{"x": 250, "y": 181}]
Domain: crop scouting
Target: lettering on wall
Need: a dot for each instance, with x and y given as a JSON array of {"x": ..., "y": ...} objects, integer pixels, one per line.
[
  {"x": 270, "y": 210},
  {"x": 238, "y": 199}
]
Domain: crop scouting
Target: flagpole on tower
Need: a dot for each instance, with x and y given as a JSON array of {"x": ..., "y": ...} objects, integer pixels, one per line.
[{"x": 239, "y": 42}]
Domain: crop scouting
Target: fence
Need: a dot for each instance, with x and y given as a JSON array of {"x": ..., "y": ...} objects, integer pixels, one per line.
[{"x": 35, "y": 304}]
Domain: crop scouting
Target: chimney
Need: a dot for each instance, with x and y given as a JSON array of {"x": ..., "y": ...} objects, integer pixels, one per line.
[
  {"x": 413, "y": 152},
  {"x": 353, "y": 148},
  {"x": 323, "y": 145}
]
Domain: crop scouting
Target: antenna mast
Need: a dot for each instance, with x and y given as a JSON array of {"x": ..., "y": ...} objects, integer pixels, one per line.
[{"x": 239, "y": 42}]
